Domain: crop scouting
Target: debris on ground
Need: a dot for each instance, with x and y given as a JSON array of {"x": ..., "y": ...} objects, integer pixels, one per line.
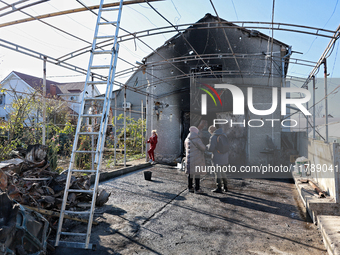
[
  {"x": 321, "y": 193},
  {"x": 29, "y": 181},
  {"x": 22, "y": 231}
]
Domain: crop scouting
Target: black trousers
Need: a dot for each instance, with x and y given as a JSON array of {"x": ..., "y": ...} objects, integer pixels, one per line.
[
  {"x": 190, "y": 181},
  {"x": 219, "y": 178}
]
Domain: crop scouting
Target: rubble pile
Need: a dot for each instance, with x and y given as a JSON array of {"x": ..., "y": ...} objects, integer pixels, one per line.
[
  {"x": 29, "y": 181},
  {"x": 35, "y": 185},
  {"x": 22, "y": 231}
]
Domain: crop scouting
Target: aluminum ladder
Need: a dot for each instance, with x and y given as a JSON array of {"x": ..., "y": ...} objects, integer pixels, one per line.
[{"x": 87, "y": 114}]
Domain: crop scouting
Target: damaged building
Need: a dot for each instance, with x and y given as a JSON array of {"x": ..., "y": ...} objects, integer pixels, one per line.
[{"x": 211, "y": 51}]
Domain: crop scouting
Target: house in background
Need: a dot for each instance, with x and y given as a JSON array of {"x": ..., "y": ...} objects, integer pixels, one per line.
[
  {"x": 73, "y": 93},
  {"x": 17, "y": 84},
  {"x": 237, "y": 56}
]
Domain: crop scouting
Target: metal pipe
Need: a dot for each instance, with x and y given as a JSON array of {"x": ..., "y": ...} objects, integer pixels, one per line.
[
  {"x": 326, "y": 99},
  {"x": 115, "y": 134},
  {"x": 151, "y": 100},
  {"x": 124, "y": 126},
  {"x": 283, "y": 73},
  {"x": 44, "y": 103},
  {"x": 283, "y": 65},
  {"x": 94, "y": 7},
  {"x": 147, "y": 128},
  {"x": 317, "y": 189},
  {"x": 258, "y": 56},
  {"x": 307, "y": 121},
  {"x": 323, "y": 56},
  {"x": 12, "y": 5},
  {"x": 14, "y": 9},
  {"x": 142, "y": 117},
  {"x": 35, "y": 54},
  {"x": 92, "y": 126},
  {"x": 209, "y": 25},
  {"x": 313, "y": 77}
]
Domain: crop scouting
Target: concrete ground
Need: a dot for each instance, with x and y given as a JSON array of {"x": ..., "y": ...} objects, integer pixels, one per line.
[
  {"x": 257, "y": 216},
  {"x": 324, "y": 211}
]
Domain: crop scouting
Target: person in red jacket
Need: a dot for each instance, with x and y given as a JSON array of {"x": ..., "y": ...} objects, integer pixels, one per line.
[{"x": 153, "y": 141}]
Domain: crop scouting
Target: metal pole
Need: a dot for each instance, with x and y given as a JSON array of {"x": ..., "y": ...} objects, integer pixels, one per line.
[
  {"x": 326, "y": 100},
  {"x": 115, "y": 135},
  {"x": 147, "y": 128},
  {"x": 92, "y": 137},
  {"x": 283, "y": 78},
  {"x": 313, "y": 106},
  {"x": 307, "y": 116},
  {"x": 142, "y": 117},
  {"x": 151, "y": 100},
  {"x": 124, "y": 125},
  {"x": 44, "y": 104}
]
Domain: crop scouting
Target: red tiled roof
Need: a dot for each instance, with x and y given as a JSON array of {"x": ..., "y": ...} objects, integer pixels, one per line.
[
  {"x": 36, "y": 82},
  {"x": 61, "y": 88}
]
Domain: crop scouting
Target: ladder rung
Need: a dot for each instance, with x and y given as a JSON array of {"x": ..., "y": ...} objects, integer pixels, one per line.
[
  {"x": 95, "y": 98},
  {"x": 107, "y": 23},
  {"x": 88, "y": 133},
  {"x": 91, "y": 115},
  {"x": 85, "y": 151},
  {"x": 110, "y": 9},
  {"x": 100, "y": 67},
  {"x": 104, "y": 36},
  {"x": 83, "y": 171},
  {"x": 102, "y": 52},
  {"x": 72, "y": 234},
  {"x": 80, "y": 190},
  {"x": 76, "y": 245},
  {"x": 97, "y": 82},
  {"x": 77, "y": 212}
]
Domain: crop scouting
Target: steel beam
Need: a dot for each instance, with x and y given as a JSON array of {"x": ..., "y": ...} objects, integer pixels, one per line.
[
  {"x": 210, "y": 25},
  {"x": 41, "y": 56},
  {"x": 335, "y": 36},
  {"x": 44, "y": 16},
  {"x": 14, "y": 9}
]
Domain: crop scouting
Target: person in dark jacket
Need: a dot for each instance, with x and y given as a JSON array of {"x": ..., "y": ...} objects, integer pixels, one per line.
[
  {"x": 194, "y": 157},
  {"x": 218, "y": 158},
  {"x": 153, "y": 142},
  {"x": 203, "y": 131}
]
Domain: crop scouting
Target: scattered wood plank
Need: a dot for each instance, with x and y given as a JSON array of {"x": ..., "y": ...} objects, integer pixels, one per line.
[{"x": 57, "y": 214}]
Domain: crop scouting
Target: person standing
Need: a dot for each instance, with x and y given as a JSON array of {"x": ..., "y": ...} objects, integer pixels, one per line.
[
  {"x": 194, "y": 148},
  {"x": 153, "y": 142},
  {"x": 218, "y": 145},
  {"x": 203, "y": 131}
]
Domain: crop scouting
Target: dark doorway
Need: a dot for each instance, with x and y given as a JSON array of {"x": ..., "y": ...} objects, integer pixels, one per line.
[
  {"x": 185, "y": 128},
  {"x": 237, "y": 137}
]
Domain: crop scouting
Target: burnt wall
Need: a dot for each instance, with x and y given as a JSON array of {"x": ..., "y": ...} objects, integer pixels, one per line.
[{"x": 169, "y": 84}]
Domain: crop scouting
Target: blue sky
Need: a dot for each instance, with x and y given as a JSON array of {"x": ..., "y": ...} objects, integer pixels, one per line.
[{"x": 41, "y": 38}]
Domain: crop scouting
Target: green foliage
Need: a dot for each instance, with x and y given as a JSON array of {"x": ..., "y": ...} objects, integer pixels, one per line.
[
  {"x": 135, "y": 131},
  {"x": 83, "y": 160},
  {"x": 15, "y": 131},
  {"x": 52, "y": 153},
  {"x": 24, "y": 126}
]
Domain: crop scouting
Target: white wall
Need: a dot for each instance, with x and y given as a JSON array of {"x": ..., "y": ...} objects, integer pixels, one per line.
[
  {"x": 78, "y": 98},
  {"x": 326, "y": 157},
  {"x": 10, "y": 84}
]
